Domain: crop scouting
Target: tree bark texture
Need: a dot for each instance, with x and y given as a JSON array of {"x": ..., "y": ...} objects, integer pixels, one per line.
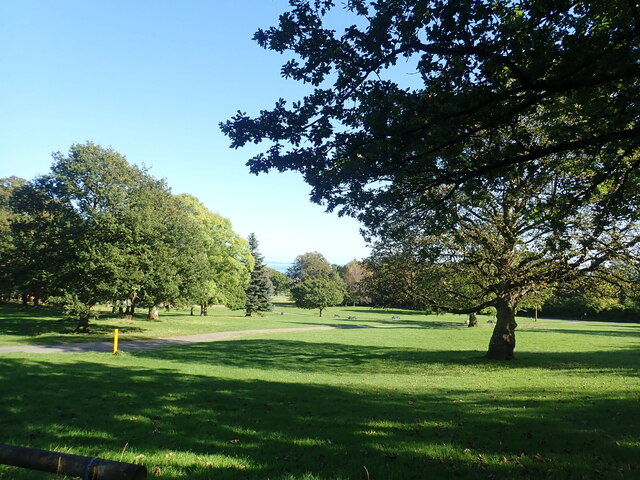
[
  {"x": 69, "y": 465},
  {"x": 503, "y": 340},
  {"x": 83, "y": 323},
  {"x": 129, "y": 312},
  {"x": 153, "y": 313}
]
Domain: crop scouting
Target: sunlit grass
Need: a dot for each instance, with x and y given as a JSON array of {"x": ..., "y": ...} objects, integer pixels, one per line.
[
  {"x": 417, "y": 401},
  {"x": 30, "y": 325}
]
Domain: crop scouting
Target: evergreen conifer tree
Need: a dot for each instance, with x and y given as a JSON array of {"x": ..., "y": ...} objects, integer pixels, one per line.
[{"x": 260, "y": 288}]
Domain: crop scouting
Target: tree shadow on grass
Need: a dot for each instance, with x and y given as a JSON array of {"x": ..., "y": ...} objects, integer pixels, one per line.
[
  {"x": 588, "y": 331},
  {"x": 17, "y": 320},
  {"x": 45, "y": 326},
  {"x": 282, "y": 429},
  {"x": 299, "y": 356},
  {"x": 361, "y": 322},
  {"x": 384, "y": 311}
]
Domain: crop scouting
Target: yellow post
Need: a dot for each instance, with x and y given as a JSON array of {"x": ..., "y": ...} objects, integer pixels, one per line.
[{"x": 115, "y": 340}]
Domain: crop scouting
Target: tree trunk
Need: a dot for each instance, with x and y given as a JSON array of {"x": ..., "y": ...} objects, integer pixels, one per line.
[
  {"x": 153, "y": 313},
  {"x": 473, "y": 320},
  {"x": 83, "y": 322},
  {"x": 130, "y": 303},
  {"x": 503, "y": 340},
  {"x": 191, "y": 311},
  {"x": 25, "y": 300},
  {"x": 203, "y": 310},
  {"x": 321, "y": 311},
  {"x": 36, "y": 301},
  {"x": 130, "y": 312}
]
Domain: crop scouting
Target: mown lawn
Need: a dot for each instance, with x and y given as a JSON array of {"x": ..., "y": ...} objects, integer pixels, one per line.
[
  {"x": 415, "y": 401},
  {"x": 28, "y": 326}
]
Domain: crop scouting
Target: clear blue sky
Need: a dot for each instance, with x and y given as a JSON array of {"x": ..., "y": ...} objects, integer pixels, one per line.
[{"x": 153, "y": 79}]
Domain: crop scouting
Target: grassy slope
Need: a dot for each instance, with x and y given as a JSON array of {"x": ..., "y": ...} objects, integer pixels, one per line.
[{"x": 396, "y": 403}]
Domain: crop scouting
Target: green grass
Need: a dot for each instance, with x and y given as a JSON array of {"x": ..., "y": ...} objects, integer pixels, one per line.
[
  {"x": 28, "y": 326},
  {"x": 417, "y": 401}
]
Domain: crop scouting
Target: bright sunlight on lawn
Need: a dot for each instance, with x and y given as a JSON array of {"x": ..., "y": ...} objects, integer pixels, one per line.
[{"x": 413, "y": 401}]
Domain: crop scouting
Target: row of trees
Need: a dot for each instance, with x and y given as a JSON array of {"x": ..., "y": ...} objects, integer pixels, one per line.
[{"x": 99, "y": 230}]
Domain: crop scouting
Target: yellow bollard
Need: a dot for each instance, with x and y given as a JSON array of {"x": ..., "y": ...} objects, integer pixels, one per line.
[{"x": 115, "y": 341}]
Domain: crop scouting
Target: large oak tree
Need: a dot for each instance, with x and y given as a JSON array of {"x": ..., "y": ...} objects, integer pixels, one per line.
[
  {"x": 221, "y": 259},
  {"x": 422, "y": 114},
  {"x": 69, "y": 228}
]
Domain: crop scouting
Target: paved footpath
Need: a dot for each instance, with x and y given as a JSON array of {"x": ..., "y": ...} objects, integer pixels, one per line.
[{"x": 153, "y": 343}]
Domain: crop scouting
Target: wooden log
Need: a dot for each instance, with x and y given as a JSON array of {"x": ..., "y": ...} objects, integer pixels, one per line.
[{"x": 88, "y": 468}]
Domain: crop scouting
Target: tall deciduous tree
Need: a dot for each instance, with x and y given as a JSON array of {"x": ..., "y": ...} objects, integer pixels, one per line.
[
  {"x": 314, "y": 283},
  {"x": 221, "y": 262},
  {"x": 7, "y": 188},
  {"x": 165, "y": 241},
  {"x": 396, "y": 280},
  {"x": 260, "y": 288},
  {"x": 281, "y": 282},
  {"x": 309, "y": 265},
  {"x": 523, "y": 235},
  {"x": 354, "y": 274},
  {"x": 320, "y": 293},
  {"x": 506, "y": 95},
  {"x": 69, "y": 226}
]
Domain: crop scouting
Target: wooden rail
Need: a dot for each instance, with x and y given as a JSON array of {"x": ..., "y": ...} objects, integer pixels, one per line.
[{"x": 87, "y": 468}]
